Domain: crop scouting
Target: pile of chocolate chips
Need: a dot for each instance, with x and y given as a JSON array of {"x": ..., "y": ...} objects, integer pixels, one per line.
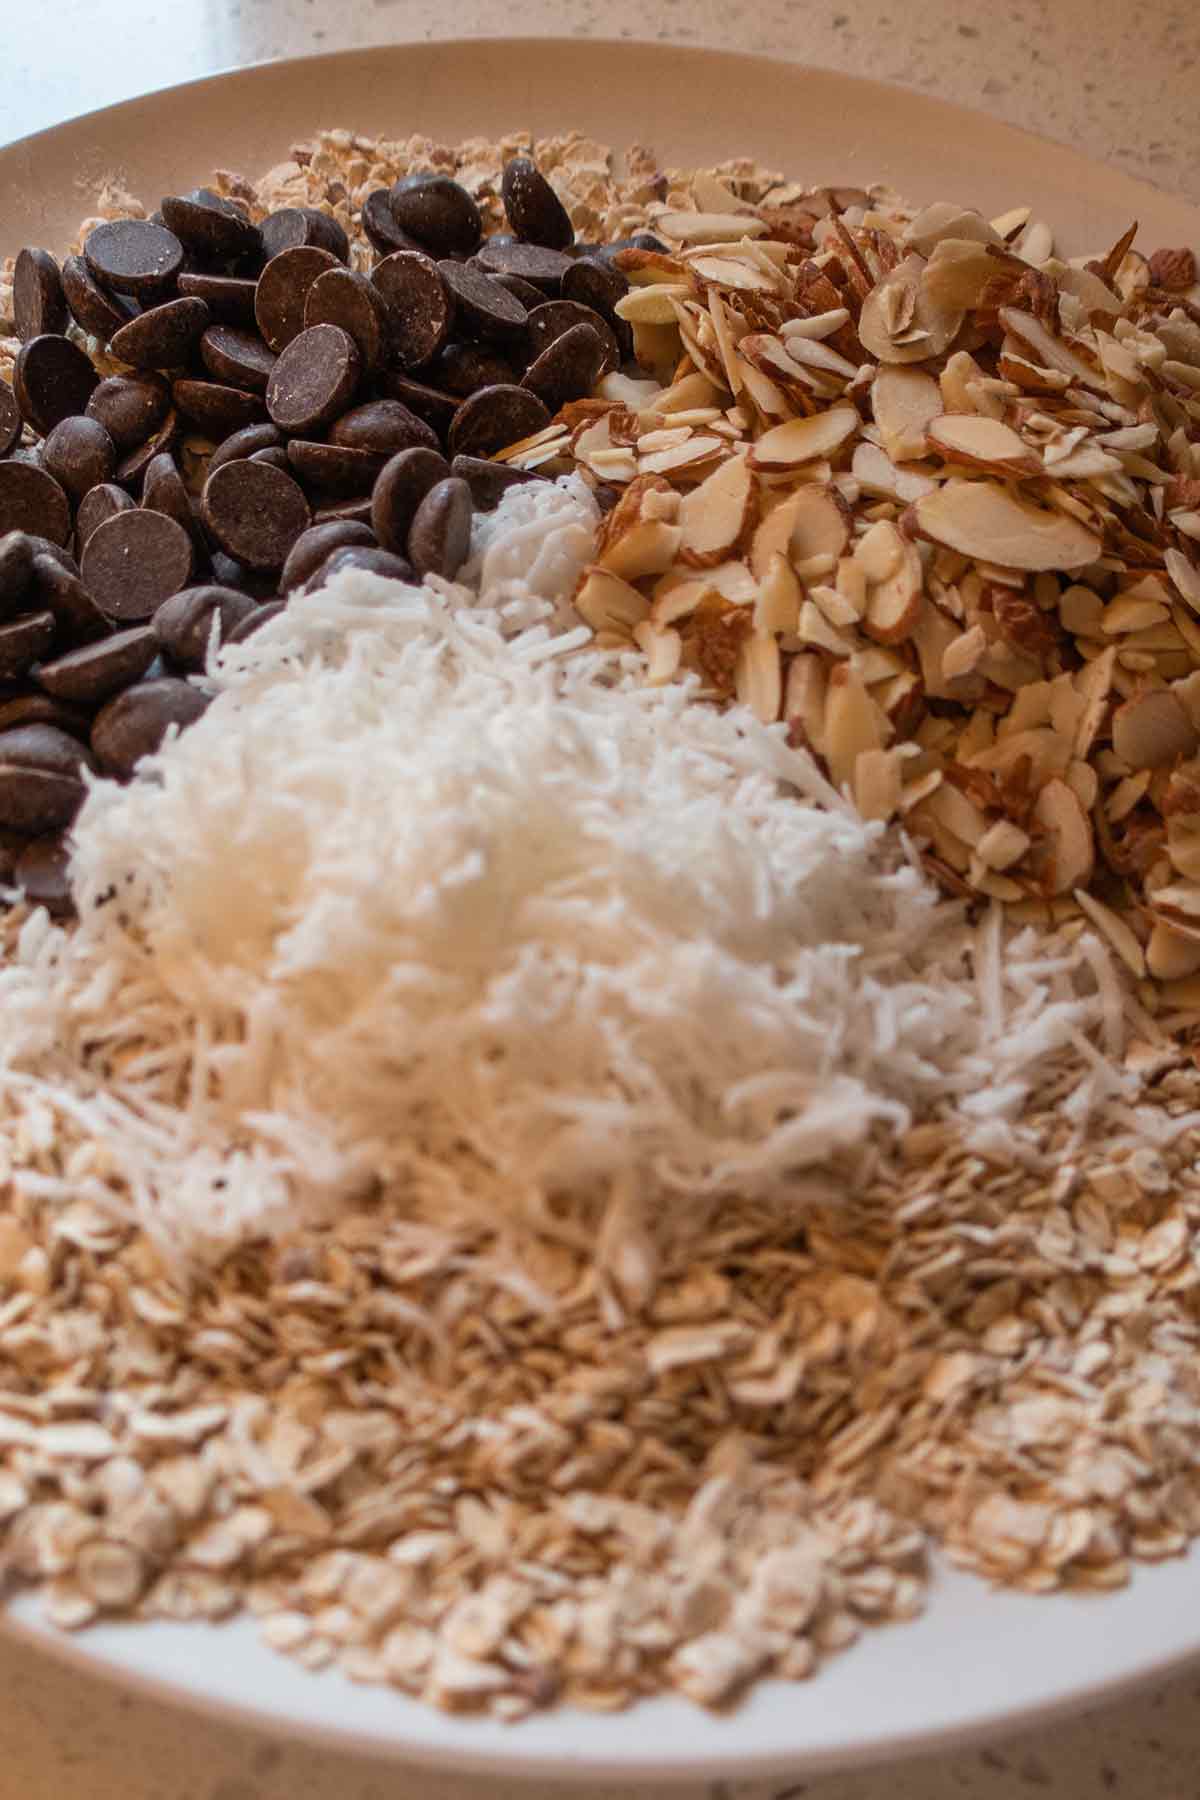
[{"x": 352, "y": 416}]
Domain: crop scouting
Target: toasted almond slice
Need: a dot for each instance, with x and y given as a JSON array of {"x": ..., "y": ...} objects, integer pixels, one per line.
[
  {"x": 686, "y": 395},
  {"x": 876, "y": 473},
  {"x": 770, "y": 399},
  {"x": 677, "y": 597},
  {"x": 959, "y": 814},
  {"x": 1094, "y": 683},
  {"x": 810, "y": 353},
  {"x": 814, "y": 629},
  {"x": 904, "y": 401},
  {"x": 1184, "y": 576},
  {"x": 716, "y": 515},
  {"x": 724, "y": 228},
  {"x": 894, "y": 605},
  {"x": 986, "y": 521},
  {"x": 801, "y": 440},
  {"x": 1072, "y": 849},
  {"x": 732, "y": 272},
  {"x": 1181, "y": 897},
  {"x": 607, "y": 603},
  {"x": 1112, "y": 927},
  {"x": 627, "y": 390},
  {"x": 758, "y": 677},
  {"x": 1048, "y": 351},
  {"x": 853, "y": 723},
  {"x": 1081, "y": 611},
  {"x": 642, "y": 267},
  {"x": 877, "y": 784},
  {"x": 898, "y": 324},
  {"x": 777, "y": 608},
  {"x": 818, "y": 325},
  {"x": 1128, "y": 612},
  {"x": 956, "y": 276},
  {"x": 712, "y": 195},
  {"x": 1002, "y": 845},
  {"x": 651, "y": 305},
  {"x": 1170, "y": 956},
  {"x": 700, "y": 448},
  {"x": 965, "y": 654},
  {"x": 941, "y": 220},
  {"x": 657, "y": 348},
  {"x": 648, "y": 548},
  {"x": 879, "y": 551},
  {"x": 662, "y": 650},
  {"x": 982, "y": 443},
  {"x": 1153, "y": 729},
  {"x": 804, "y": 698}
]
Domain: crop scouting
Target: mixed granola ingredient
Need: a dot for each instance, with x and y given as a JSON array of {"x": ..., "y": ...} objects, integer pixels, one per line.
[{"x": 495, "y": 1424}]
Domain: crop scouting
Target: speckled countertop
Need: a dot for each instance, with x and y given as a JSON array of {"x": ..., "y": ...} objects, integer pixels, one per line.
[{"x": 1117, "y": 80}]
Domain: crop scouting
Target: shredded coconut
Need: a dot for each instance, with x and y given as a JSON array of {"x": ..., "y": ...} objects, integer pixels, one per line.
[{"x": 424, "y": 905}]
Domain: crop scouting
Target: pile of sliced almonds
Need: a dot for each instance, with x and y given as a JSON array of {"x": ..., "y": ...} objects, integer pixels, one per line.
[{"x": 931, "y": 494}]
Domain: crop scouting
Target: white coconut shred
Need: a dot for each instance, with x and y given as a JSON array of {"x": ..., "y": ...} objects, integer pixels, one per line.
[{"x": 425, "y": 905}]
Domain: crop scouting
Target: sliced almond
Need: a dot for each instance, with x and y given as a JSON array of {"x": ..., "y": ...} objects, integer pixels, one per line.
[
  {"x": 1062, "y": 818},
  {"x": 710, "y": 227},
  {"x": 1114, "y": 929},
  {"x": 607, "y": 603},
  {"x": 956, "y": 277},
  {"x": 1002, "y": 845},
  {"x": 1046, "y": 350},
  {"x": 986, "y": 521},
  {"x": 738, "y": 274},
  {"x": 1153, "y": 729},
  {"x": 802, "y": 440},
  {"x": 876, "y": 473},
  {"x": 981, "y": 443},
  {"x": 649, "y": 548},
  {"x": 663, "y": 651},
  {"x": 1170, "y": 956},
  {"x": 758, "y": 677},
  {"x": 651, "y": 305},
  {"x": 716, "y": 516},
  {"x": 700, "y": 448},
  {"x": 804, "y": 698},
  {"x": 853, "y": 723},
  {"x": 877, "y": 783},
  {"x": 1185, "y": 577},
  {"x": 941, "y": 220},
  {"x": 777, "y": 608},
  {"x": 904, "y": 401}
]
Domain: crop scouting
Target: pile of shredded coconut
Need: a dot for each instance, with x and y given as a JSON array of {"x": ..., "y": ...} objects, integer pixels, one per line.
[{"x": 423, "y": 905}]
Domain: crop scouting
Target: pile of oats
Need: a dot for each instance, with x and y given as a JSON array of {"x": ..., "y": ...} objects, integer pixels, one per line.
[{"x": 401, "y": 1460}]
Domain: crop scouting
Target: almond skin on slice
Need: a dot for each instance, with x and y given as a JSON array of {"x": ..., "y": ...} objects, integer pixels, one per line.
[
  {"x": 799, "y": 441},
  {"x": 981, "y": 443},
  {"x": 894, "y": 605},
  {"x": 899, "y": 323},
  {"x": 1047, "y": 351},
  {"x": 716, "y": 516},
  {"x": 811, "y": 522},
  {"x": 983, "y": 520}
]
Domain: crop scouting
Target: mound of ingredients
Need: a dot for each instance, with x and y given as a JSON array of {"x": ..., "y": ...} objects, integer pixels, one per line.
[{"x": 616, "y": 760}]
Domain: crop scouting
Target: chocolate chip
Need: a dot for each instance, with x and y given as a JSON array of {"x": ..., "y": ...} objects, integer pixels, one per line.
[
  {"x": 346, "y": 299},
  {"x": 163, "y": 491},
  {"x": 534, "y": 210},
  {"x": 596, "y": 284},
  {"x": 542, "y": 269},
  {"x": 527, "y": 295},
  {"x": 256, "y": 513},
  {"x": 219, "y": 233},
  {"x": 494, "y": 418},
  {"x": 463, "y": 369},
  {"x": 93, "y": 674},
  {"x": 130, "y": 407},
  {"x": 482, "y": 308},
  {"x": 16, "y": 570},
  {"x": 216, "y": 409},
  {"x": 61, "y": 592},
  {"x": 420, "y": 309},
  {"x": 383, "y": 427},
  {"x": 314, "y": 380},
  {"x": 134, "y": 561},
  {"x": 93, "y": 310},
  {"x": 283, "y": 289},
  {"x": 439, "y": 213},
  {"x": 360, "y": 556},
  {"x": 162, "y": 337},
  {"x": 275, "y": 456},
  {"x": 440, "y": 534},
  {"x": 134, "y": 256},
  {"x": 295, "y": 227},
  {"x": 183, "y": 625},
  {"x": 31, "y": 500},
  {"x": 245, "y": 443},
  {"x": 380, "y": 227},
  {"x": 98, "y": 504},
  {"x": 229, "y": 298},
  {"x": 490, "y": 481},
  {"x": 10, "y": 419},
  {"x": 313, "y": 546},
  {"x": 554, "y": 317},
  {"x": 238, "y": 357},
  {"x": 40, "y": 709},
  {"x": 402, "y": 485},
  {"x": 23, "y": 641},
  {"x": 228, "y": 572},
  {"x": 132, "y": 469},
  {"x": 429, "y": 403},
  {"x": 331, "y": 466},
  {"x": 79, "y": 454},
  {"x": 39, "y": 304},
  {"x": 135, "y": 723},
  {"x": 43, "y": 873},
  {"x": 52, "y": 379},
  {"x": 262, "y": 615},
  {"x": 568, "y": 368},
  {"x": 41, "y": 788},
  {"x": 357, "y": 512}
]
